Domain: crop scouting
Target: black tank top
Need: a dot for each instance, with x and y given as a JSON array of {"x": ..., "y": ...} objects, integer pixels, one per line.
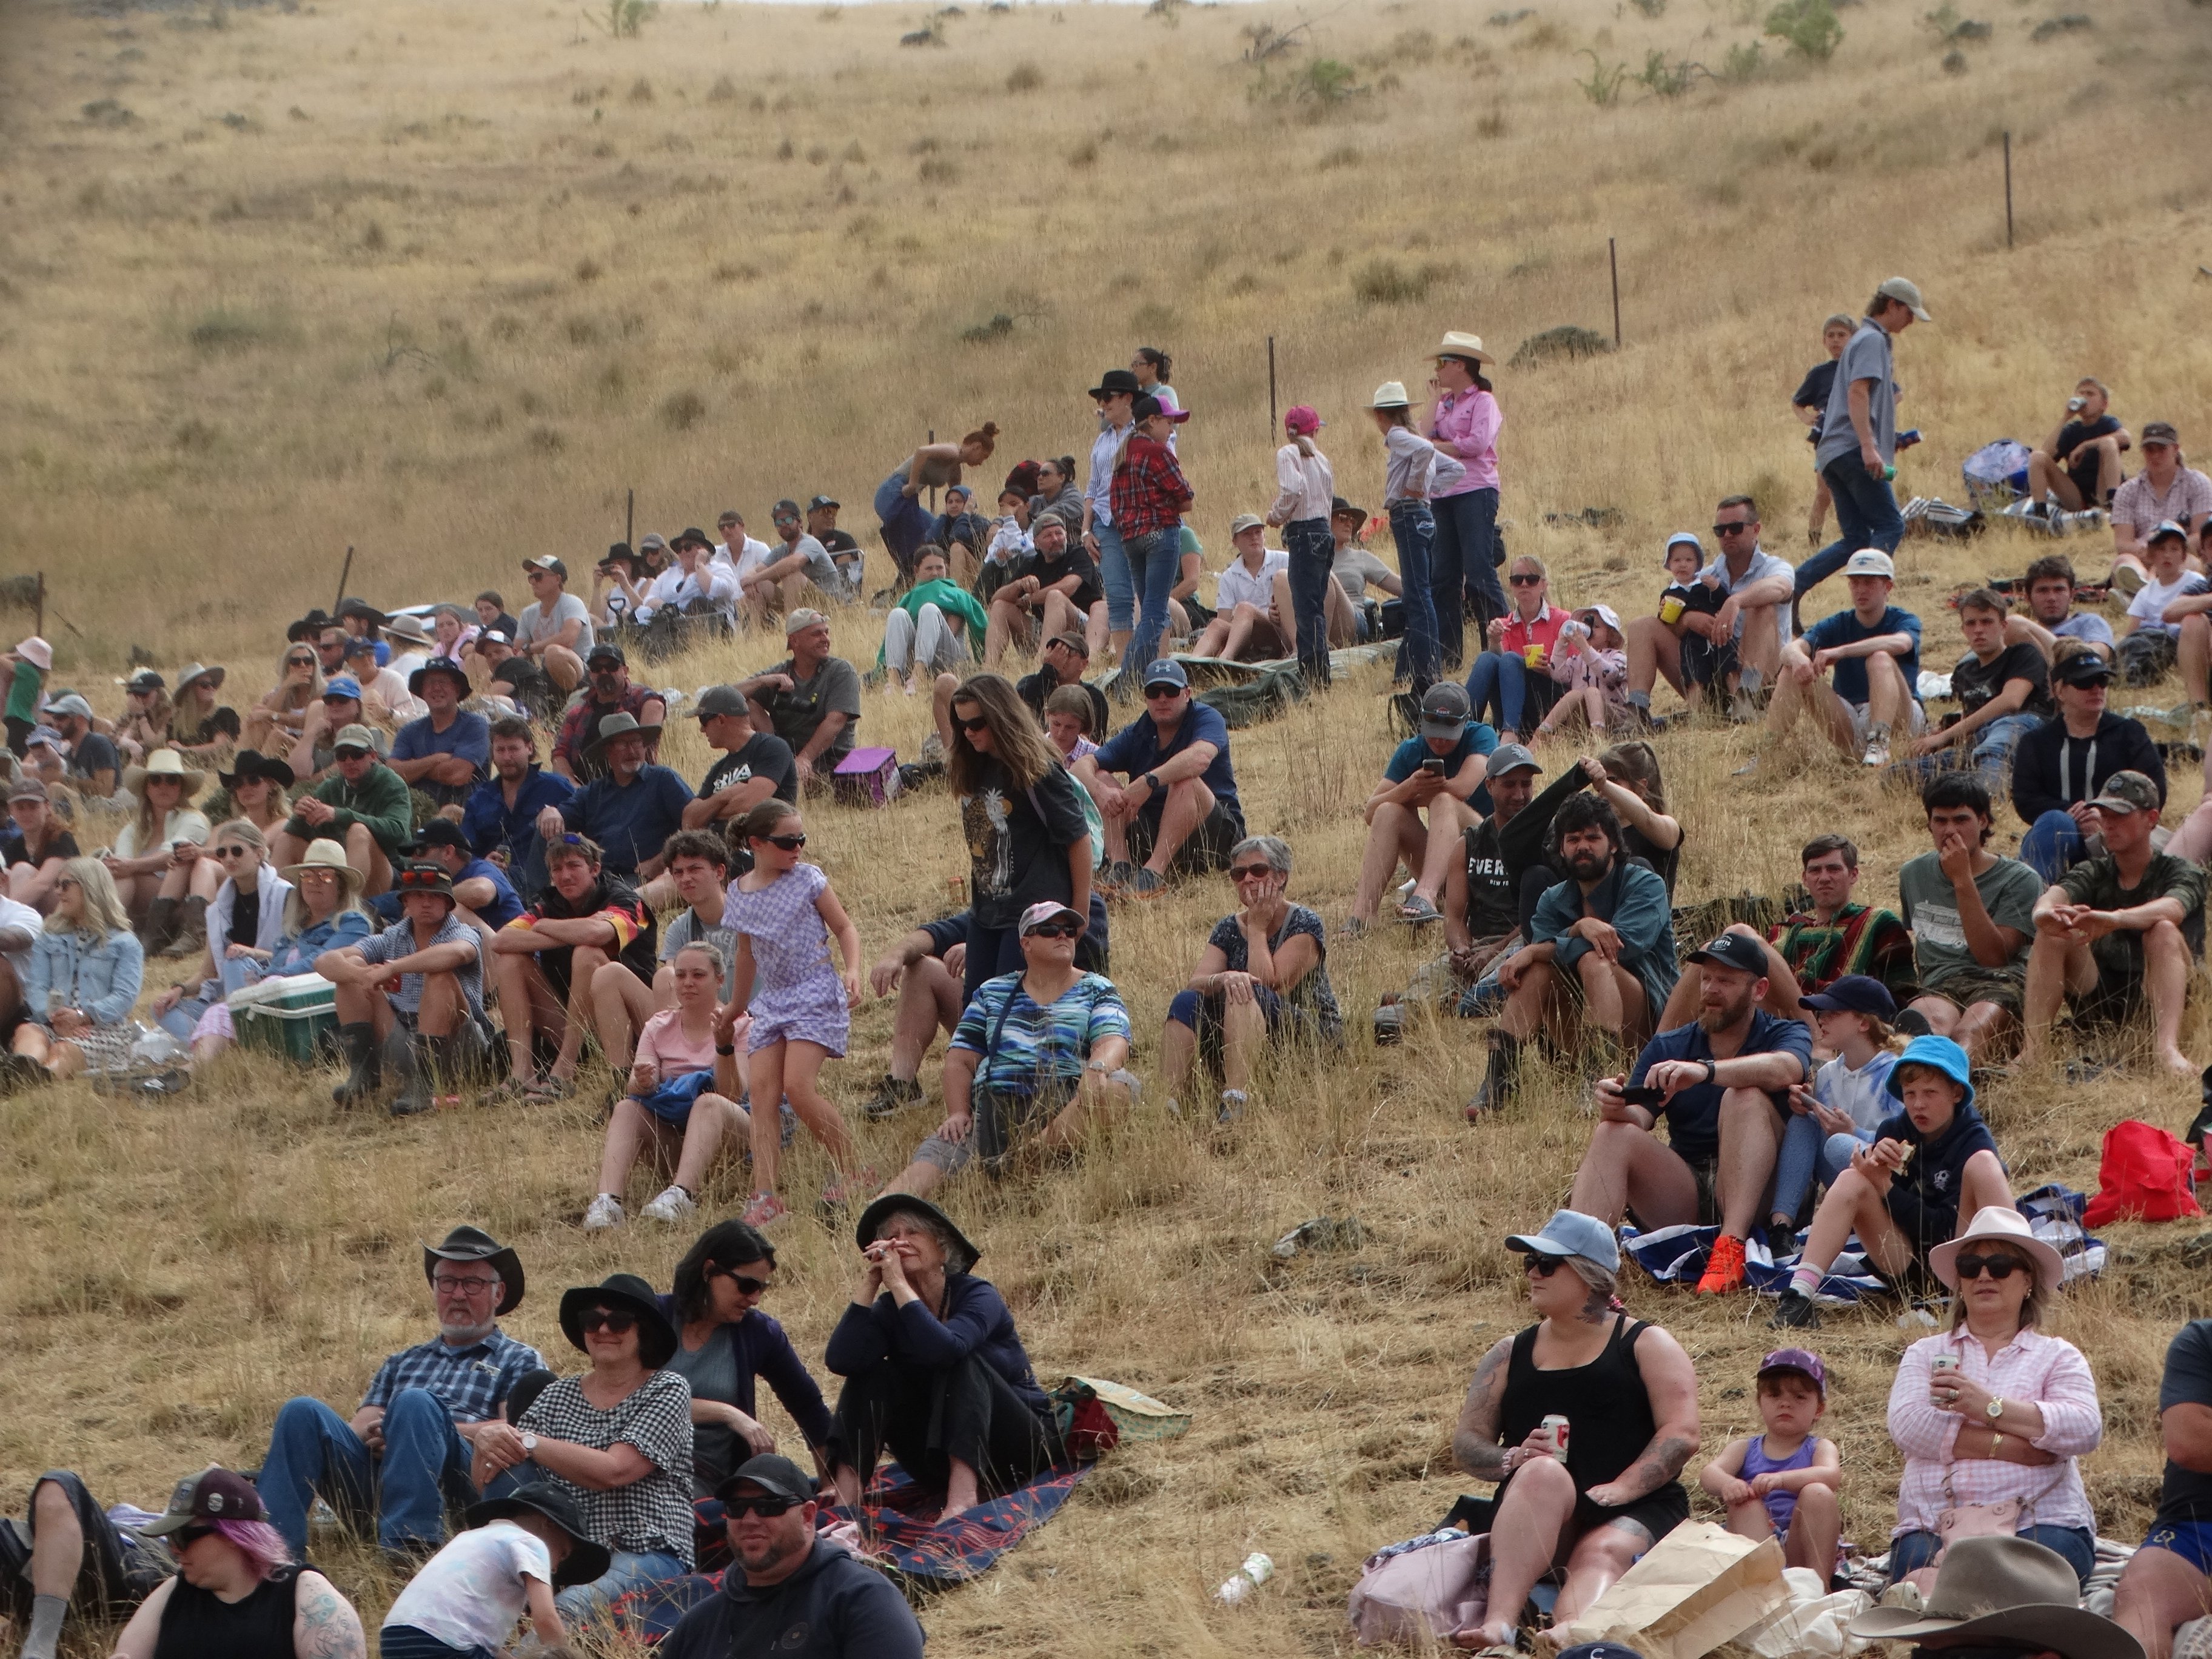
[
  {"x": 1608, "y": 1411},
  {"x": 198, "y": 1624}
]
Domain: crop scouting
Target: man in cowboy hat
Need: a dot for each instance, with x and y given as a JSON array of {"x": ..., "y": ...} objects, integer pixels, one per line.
[
  {"x": 412, "y": 995},
  {"x": 22, "y": 677},
  {"x": 610, "y": 693},
  {"x": 407, "y": 1448},
  {"x": 363, "y": 803},
  {"x": 1999, "y": 1594},
  {"x": 811, "y": 699},
  {"x": 1464, "y": 424},
  {"x": 791, "y": 1590},
  {"x": 555, "y": 626},
  {"x": 630, "y": 807},
  {"x": 449, "y": 749}
]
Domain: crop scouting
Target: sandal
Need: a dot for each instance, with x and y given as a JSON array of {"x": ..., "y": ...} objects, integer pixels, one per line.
[
  {"x": 549, "y": 1087},
  {"x": 513, "y": 1090}
]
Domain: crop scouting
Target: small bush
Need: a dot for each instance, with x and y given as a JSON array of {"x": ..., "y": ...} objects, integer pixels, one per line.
[
  {"x": 1566, "y": 341},
  {"x": 1344, "y": 155},
  {"x": 681, "y": 411},
  {"x": 1085, "y": 155},
  {"x": 1386, "y": 282},
  {"x": 372, "y": 238},
  {"x": 1665, "y": 79},
  {"x": 225, "y": 330},
  {"x": 1652, "y": 8},
  {"x": 1603, "y": 84},
  {"x": 622, "y": 19},
  {"x": 548, "y": 439},
  {"x": 938, "y": 170},
  {"x": 1329, "y": 81},
  {"x": 1491, "y": 125},
  {"x": 107, "y": 113},
  {"x": 1954, "y": 62},
  {"x": 1808, "y": 26},
  {"x": 1744, "y": 62},
  {"x": 587, "y": 270},
  {"x": 1506, "y": 20},
  {"x": 2050, "y": 28},
  {"x": 724, "y": 91},
  {"x": 640, "y": 91},
  {"x": 998, "y": 328},
  {"x": 1024, "y": 76}
]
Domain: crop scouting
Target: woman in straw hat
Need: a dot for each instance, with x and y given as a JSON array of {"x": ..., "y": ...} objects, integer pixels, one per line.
[
  {"x": 1464, "y": 424},
  {"x": 86, "y": 971},
  {"x": 1992, "y": 1411},
  {"x": 1414, "y": 470},
  {"x": 156, "y": 861},
  {"x": 197, "y": 727},
  {"x": 321, "y": 910}
]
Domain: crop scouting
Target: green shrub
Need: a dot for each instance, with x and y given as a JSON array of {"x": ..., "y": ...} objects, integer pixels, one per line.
[
  {"x": 1744, "y": 62},
  {"x": 1386, "y": 282},
  {"x": 1603, "y": 85},
  {"x": 1809, "y": 27}
]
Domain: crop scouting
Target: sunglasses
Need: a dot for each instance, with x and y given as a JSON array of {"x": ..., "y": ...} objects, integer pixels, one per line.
[
  {"x": 1055, "y": 930},
  {"x": 973, "y": 726},
  {"x": 1525, "y": 580},
  {"x": 299, "y": 662},
  {"x": 1250, "y": 873},
  {"x": 766, "y": 1508},
  {"x": 189, "y": 1536},
  {"x": 352, "y": 754},
  {"x": 1544, "y": 1265},
  {"x": 1996, "y": 1266},
  {"x": 613, "y": 1320},
  {"x": 1162, "y": 693},
  {"x": 1732, "y": 529},
  {"x": 418, "y": 878},
  {"x": 746, "y": 1286},
  {"x": 231, "y": 852},
  {"x": 788, "y": 843}
]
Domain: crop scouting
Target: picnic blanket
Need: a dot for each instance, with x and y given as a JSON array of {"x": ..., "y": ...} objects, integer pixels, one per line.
[{"x": 1677, "y": 1254}]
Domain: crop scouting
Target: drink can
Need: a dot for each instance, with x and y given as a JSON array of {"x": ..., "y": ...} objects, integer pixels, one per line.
[
  {"x": 1258, "y": 1568},
  {"x": 1557, "y": 1427},
  {"x": 1670, "y": 610},
  {"x": 1942, "y": 1362},
  {"x": 1889, "y": 474},
  {"x": 956, "y": 888}
]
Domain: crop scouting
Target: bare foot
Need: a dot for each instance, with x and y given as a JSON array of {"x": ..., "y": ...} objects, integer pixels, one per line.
[
  {"x": 1485, "y": 1635},
  {"x": 2177, "y": 1063}
]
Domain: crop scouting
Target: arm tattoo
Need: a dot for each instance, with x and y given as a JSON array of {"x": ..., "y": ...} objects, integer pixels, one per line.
[
  {"x": 329, "y": 1628},
  {"x": 1483, "y": 1458},
  {"x": 1663, "y": 1460}
]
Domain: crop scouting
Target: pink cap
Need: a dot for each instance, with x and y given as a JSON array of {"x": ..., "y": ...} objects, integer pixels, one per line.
[{"x": 1301, "y": 420}]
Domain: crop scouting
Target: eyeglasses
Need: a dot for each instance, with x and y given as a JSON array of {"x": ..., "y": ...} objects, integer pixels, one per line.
[
  {"x": 1250, "y": 872},
  {"x": 766, "y": 1508},
  {"x": 232, "y": 851},
  {"x": 1732, "y": 529},
  {"x": 975, "y": 725},
  {"x": 1525, "y": 580},
  {"x": 1544, "y": 1265},
  {"x": 1055, "y": 930},
  {"x": 788, "y": 843},
  {"x": 449, "y": 1285},
  {"x": 613, "y": 1320},
  {"x": 1996, "y": 1266}
]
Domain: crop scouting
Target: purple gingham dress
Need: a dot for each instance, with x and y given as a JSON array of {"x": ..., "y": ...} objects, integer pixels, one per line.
[{"x": 796, "y": 991}]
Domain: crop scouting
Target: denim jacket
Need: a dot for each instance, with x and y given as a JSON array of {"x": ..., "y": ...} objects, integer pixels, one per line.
[{"x": 102, "y": 979}]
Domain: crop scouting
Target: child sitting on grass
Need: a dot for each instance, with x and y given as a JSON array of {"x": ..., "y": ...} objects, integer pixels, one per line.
[
  {"x": 1589, "y": 661},
  {"x": 1847, "y": 1103},
  {"x": 468, "y": 1596},
  {"x": 1782, "y": 1483}
]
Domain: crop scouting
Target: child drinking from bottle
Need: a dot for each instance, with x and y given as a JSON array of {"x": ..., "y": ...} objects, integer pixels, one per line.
[
  {"x": 1782, "y": 1483},
  {"x": 1590, "y": 666},
  {"x": 784, "y": 916}
]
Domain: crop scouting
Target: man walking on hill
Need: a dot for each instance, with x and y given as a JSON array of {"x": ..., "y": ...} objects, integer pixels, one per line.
[{"x": 1857, "y": 451}]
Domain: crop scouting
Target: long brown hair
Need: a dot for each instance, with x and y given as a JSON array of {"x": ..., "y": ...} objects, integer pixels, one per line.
[
  {"x": 1020, "y": 747},
  {"x": 1635, "y": 764}
]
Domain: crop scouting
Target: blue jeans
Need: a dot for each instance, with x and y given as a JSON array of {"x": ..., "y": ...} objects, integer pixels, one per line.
[
  {"x": 1114, "y": 576},
  {"x": 313, "y": 1449},
  {"x": 1989, "y": 756},
  {"x": 1866, "y": 516},
  {"x": 1312, "y": 550},
  {"x": 1149, "y": 562},
  {"x": 2052, "y": 845},
  {"x": 1807, "y": 1148},
  {"x": 1462, "y": 576},
  {"x": 630, "y": 1570},
  {"x": 1413, "y": 527},
  {"x": 1499, "y": 679},
  {"x": 904, "y": 519},
  {"x": 1909, "y": 1551}
]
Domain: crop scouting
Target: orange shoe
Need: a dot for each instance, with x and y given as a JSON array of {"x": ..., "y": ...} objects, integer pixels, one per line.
[{"x": 1724, "y": 1268}]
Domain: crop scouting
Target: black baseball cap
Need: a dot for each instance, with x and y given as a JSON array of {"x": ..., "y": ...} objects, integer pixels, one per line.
[
  {"x": 1738, "y": 951},
  {"x": 776, "y": 1475},
  {"x": 2085, "y": 668},
  {"x": 440, "y": 832},
  {"x": 605, "y": 650},
  {"x": 821, "y": 501},
  {"x": 1854, "y": 993},
  {"x": 214, "y": 1494}
]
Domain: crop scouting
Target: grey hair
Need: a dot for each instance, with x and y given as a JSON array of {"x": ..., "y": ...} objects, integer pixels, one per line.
[
  {"x": 1273, "y": 848},
  {"x": 1602, "y": 1280},
  {"x": 956, "y": 1258}
]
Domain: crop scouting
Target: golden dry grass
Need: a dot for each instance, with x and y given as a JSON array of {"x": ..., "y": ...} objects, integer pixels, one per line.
[{"x": 440, "y": 312}]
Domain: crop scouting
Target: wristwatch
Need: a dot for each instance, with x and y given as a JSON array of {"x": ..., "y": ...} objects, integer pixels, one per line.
[
  {"x": 530, "y": 1445},
  {"x": 1152, "y": 782},
  {"x": 1995, "y": 1409}
]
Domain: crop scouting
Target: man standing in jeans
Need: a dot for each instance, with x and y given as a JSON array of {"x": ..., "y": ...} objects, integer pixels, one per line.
[
  {"x": 1463, "y": 425},
  {"x": 1859, "y": 434},
  {"x": 1116, "y": 395}
]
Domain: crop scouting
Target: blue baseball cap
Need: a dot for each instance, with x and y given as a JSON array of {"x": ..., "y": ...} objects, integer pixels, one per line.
[
  {"x": 1569, "y": 1232},
  {"x": 1854, "y": 993},
  {"x": 1939, "y": 1052},
  {"x": 1166, "y": 671},
  {"x": 341, "y": 685}
]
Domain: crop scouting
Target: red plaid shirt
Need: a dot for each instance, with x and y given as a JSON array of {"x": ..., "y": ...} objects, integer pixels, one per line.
[
  {"x": 581, "y": 724},
  {"x": 1150, "y": 492}
]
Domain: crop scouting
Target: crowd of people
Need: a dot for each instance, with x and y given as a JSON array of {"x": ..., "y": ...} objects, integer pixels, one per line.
[{"x": 382, "y": 823}]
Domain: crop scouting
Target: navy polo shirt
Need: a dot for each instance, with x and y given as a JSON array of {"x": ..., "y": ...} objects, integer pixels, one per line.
[{"x": 1693, "y": 1116}]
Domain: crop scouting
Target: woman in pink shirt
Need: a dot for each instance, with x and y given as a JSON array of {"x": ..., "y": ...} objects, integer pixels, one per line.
[
  {"x": 1464, "y": 424},
  {"x": 1522, "y": 691},
  {"x": 1993, "y": 1410}
]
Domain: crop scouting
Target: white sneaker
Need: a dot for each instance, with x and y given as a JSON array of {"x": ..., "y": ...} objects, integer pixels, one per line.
[
  {"x": 1877, "y": 749},
  {"x": 673, "y": 1205},
  {"x": 606, "y": 1211}
]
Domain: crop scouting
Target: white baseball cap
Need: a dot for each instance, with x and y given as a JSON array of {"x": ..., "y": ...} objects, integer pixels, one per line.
[{"x": 1871, "y": 562}]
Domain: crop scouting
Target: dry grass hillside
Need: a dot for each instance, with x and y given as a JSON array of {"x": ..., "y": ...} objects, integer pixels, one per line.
[{"x": 440, "y": 283}]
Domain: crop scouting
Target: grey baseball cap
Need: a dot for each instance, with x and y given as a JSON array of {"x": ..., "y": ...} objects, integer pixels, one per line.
[
  {"x": 1510, "y": 757},
  {"x": 1569, "y": 1232}
]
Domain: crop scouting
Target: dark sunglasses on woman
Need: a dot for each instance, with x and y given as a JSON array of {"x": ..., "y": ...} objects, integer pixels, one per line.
[
  {"x": 789, "y": 843},
  {"x": 1997, "y": 1267},
  {"x": 616, "y": 1321}
]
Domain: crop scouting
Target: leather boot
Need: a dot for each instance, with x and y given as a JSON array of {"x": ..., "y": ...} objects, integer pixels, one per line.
[
  {"x": 357, "y": 1047},
  {"x": 418, "y": 1083},
  {"x": 161, "y": 925},
  {"x": 1503, "y": 1080},
  {"x": 192, "y": 930}
]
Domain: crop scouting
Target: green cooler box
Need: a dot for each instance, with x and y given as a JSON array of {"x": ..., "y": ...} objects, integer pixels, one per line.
[{"x": 290, "y": 1016}]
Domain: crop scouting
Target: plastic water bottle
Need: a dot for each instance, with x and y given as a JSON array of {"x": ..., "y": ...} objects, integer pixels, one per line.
[{"x": 1256, "y": 1570}]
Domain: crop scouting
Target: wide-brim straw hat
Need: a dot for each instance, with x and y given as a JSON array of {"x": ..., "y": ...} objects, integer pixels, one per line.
[
  {"x": 325, "y": 856},
  {"x": 1459, "y": 343},
  {"x": 163, "y": 763},
  {"x": 2002, "y": 1225},
  {"x": 213, "y": 674}
]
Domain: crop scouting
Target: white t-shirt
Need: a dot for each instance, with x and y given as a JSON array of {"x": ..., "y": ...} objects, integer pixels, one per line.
[
  {"x": 1763, "y": 565},
  {"x": 16, "y": 918},
  {"x": 182, "y": 824},
  {"x": 532, "y": 626},
  {"x": 471, "y": 1594},
  {"x": 1863, "y": 1093},
  {"x": 1240, "y": 586},
  {"x": 673, "y": 587},
  {"x": 742, "y": 561},
  {"x": 2153, "y": 598}
]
